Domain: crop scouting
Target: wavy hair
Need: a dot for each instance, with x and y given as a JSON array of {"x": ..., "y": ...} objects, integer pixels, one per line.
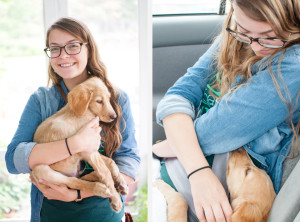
[
  {"x": 95, "y": 67},
  {"x": 284, "y": 17}
]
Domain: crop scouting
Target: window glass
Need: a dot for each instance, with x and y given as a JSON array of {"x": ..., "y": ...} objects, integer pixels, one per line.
[
  {"x": 22, "y": 70},
  {"x": 164, "y": 7},
  {"x": 114, "y": 25}
]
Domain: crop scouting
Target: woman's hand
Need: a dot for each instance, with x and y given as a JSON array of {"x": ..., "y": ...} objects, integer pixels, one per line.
[
  {"x": 87, "y": 139},
  {"x": 210, "y": 200},
  {"x": 54, "y": 192}
]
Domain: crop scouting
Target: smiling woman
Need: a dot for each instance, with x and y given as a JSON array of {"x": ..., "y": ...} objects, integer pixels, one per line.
[
  {"x": 71, "y": 63},
  {"x": 68, "y": 65},
  {"x": 67, "y": 70}
]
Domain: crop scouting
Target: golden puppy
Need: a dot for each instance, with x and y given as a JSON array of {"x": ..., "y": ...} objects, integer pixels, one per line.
[
  {"x": 177, "y": 208},
  {"x": 251, "y": 189},
  {"x": 86, "y": 101}
]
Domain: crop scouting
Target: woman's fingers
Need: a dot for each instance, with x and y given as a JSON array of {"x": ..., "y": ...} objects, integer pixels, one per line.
[
  {"x": 213, "y": 214},
  {"x": 210, "y": 200},
  {"x": 227, "y": 210},
  {"x": 50, "y": 185},
  {"x": 200, "y": 213},
  {"x": 32, "y": 180},
  {"x": 219, "y": 214},
  {"x": 94, "y": 122}
]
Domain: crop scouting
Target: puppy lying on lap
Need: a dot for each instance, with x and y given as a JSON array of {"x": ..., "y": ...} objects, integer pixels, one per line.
[
  {"x": 251, "y": 189},
  {"x": 86, "y": 101}
]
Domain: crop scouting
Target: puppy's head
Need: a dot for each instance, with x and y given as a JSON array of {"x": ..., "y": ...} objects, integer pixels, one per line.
[
  {"x": 239, "y": 169},
  {"x": 93, "y": 95},
  {"x": 248, "y": 184}
]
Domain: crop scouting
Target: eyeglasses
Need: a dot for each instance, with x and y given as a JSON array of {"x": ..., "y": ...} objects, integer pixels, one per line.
[
  {"x": 70, "y": 49},
  {"x": 265, "y": 42}
]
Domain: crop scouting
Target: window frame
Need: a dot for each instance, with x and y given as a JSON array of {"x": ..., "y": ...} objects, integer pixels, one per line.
[{"x": 222, "y": 9}]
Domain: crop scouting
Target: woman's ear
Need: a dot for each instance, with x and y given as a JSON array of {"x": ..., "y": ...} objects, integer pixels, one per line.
[{"x": 79, "y": 99}]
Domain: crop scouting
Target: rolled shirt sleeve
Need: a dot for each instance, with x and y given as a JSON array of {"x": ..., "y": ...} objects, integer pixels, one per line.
[
  {"x": 174, "y": 104},
  {"x": 19, "y": 149}
]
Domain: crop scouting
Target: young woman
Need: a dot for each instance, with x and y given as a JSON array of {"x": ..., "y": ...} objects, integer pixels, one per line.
[
  {"x": 251, "y": 75},
  {"x": 73, "y": 58}
]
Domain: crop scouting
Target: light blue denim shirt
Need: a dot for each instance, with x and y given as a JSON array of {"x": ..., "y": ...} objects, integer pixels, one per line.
[
  {"x": 254, "y": 116},
  {"x": 46, "y": 102}
]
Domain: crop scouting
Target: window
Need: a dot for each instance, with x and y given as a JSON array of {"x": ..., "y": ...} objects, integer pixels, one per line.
[
  {"x": 114, "y": 25},
  {"x": 22, "y": 70},
  {"x": 181, "y": 7}
]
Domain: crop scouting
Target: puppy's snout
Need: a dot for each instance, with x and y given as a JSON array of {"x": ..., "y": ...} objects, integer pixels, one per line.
[{"x": 112, "y": 117}]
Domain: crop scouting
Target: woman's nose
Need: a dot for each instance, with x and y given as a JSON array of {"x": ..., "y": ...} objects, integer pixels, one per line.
[
  {"x": 63, "y": 53},
  {"x": 256, "y": 47}
]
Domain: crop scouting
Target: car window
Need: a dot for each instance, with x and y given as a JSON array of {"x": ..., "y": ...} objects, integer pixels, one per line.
[{"x": 178, "y": 7}]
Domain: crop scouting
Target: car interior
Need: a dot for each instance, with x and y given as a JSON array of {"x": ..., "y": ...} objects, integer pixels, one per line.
[{"x": 178, "y": 42}]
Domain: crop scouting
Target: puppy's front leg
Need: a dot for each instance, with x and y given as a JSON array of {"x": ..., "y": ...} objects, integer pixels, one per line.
[
  {"x": 48, "y": 174},
  {"x": 90, "y": 177},
  {"x": 119, "y": 181},
  {"x": 95, "y": 160}
]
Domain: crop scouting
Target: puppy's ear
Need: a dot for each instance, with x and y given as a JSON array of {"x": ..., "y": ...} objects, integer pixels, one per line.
[
  {"x": 79, "y": 99},
  {"x": 247, "y": 212}
]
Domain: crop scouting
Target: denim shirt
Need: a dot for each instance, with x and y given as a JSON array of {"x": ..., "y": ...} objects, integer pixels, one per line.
[
  {"x": 254, "y": 116},
  {"x": 46, "y": 102}
]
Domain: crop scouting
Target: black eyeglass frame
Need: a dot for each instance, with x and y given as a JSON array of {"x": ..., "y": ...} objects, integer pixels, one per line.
[
  {"x": 64, "y": 47},
  {"x": 255, "y": 39}
]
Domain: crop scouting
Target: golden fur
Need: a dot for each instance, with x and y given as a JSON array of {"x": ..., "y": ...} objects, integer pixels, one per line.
[
  {"x": 251, "y": 189},
  {"x": 87, "y": 100},
  {"x": 176, "y": 205}
]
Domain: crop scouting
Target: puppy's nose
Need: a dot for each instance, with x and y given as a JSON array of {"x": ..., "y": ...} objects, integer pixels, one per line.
[{"x": 112, "y": 117}]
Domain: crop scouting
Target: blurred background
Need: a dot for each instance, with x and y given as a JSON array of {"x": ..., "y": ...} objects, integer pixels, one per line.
[{"x": 23, "y": 68}]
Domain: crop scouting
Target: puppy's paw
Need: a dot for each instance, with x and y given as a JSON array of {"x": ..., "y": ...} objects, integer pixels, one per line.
[
  {"x": 101, "y": 190},
  {"x": 121, "y": 186},
  {"x": 115, "y": 203}
]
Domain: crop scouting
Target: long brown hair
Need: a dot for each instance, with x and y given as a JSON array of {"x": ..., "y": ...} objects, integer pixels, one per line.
[
  {"x": 284, "y": 17},
  {"x": 95, "y": 67}
]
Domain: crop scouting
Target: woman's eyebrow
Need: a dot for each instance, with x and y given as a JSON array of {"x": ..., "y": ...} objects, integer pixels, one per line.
[
  {"x": 72, "y": 40},
  {"x": 265, "y": 32}
]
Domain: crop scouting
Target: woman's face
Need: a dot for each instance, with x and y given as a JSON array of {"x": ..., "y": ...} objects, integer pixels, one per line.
[
  {"x": 254, "y": 29},
  {"x": 68, "y": 66}
]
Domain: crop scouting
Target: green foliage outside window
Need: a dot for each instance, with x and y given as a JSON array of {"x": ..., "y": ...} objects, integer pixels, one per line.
[
  {"x": 20, "y": 28},
  {"x": 13, "y": 189},
  {"x": 140, "y": 205}
]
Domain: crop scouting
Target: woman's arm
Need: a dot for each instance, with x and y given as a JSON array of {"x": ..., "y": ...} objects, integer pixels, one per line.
[
  {"x": 86, "y": 139},
  {"x": 245, "y": 115},
  {"x": 209, "y": 196},
  {"x": 23, "y": 154},
  {"x": 163, "y": 149},
  {"x": 252, "y": 111}
]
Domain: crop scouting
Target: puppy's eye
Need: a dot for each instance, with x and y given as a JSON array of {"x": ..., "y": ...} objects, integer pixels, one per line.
[
  {"x": 248, "y": 170},
  {"x": 99, "y": 101}
]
